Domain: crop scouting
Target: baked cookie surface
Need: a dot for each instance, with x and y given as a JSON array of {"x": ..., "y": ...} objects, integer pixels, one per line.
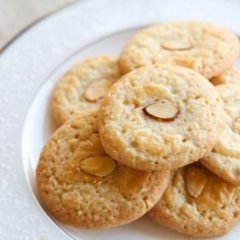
[
  {"x": 83, "y": 86},
  {"x": 229, "y": 76},
  {"x": 198, "y": 203},
  {"x": 81, "y": 185},
  {"x": 160, "y": 117},
  {"x": 224, "y": 160},
  {"x": 202, "y": 47}
]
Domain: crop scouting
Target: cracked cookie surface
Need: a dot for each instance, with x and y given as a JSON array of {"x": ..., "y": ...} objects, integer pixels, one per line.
[
  {"x": 224, "y": 160},
  {"x": 83, "y": 86},
  {"x": 81, "y": 185},
  {"x": 203, "y": 47},
  {"x": 198, "y": 203},
  {"x": 160, "y": 117},
  {"x": 229, "y": 76}
]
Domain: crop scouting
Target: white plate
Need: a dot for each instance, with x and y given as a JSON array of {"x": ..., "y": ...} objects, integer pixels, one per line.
[{"x": 28, "y": 69}]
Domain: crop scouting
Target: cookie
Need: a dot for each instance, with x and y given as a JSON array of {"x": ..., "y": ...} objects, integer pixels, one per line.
[
  {"x": 230, "y": 76},
  {"x": 83, "y": 86},
  {"x": 202, "y": 47},
  {"x": 224, "y": 160},
  {"x": 198, "y": 203},
  {"x": 81, "y": 185},
  {"x": 160, "y": 117}
]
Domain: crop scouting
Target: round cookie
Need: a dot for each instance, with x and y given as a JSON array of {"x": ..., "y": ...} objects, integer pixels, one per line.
[
  {"x": 230, "y": 76},
  {"x": 202, "y": 47},
  {"x": 82, "y": 186},
  {"x": 83, "y": 86},
  {"x": 160, "y": 117},
  {"x": 224, "y": 160},
  {"x": 198, "y": 203}
]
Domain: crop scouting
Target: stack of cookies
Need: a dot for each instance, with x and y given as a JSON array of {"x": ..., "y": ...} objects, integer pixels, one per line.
[{"x": 154, "y": 131}]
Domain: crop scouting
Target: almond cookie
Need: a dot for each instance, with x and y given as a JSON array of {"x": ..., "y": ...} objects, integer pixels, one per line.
[
  {"x": 83, "y": 86},
  {"x": 202, "y": 47},
  {"x": 224, "y": 160},
  {"x": 160, "y": 117},
  {"x": 198, "y": 203},
  {"x": 82, "y": 186},
  {"x": 230, "y": 76}
]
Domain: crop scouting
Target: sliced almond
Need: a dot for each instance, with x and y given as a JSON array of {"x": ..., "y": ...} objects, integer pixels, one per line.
[
  {"x": 100, "y": 166},
  {"x": 162, "y": 109},
  {"x": 195, "y": 180},
  {"x": 177, "y": 45},
  {"x": 97, "y": 90},
  {"x": 216, "y": 193}
]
